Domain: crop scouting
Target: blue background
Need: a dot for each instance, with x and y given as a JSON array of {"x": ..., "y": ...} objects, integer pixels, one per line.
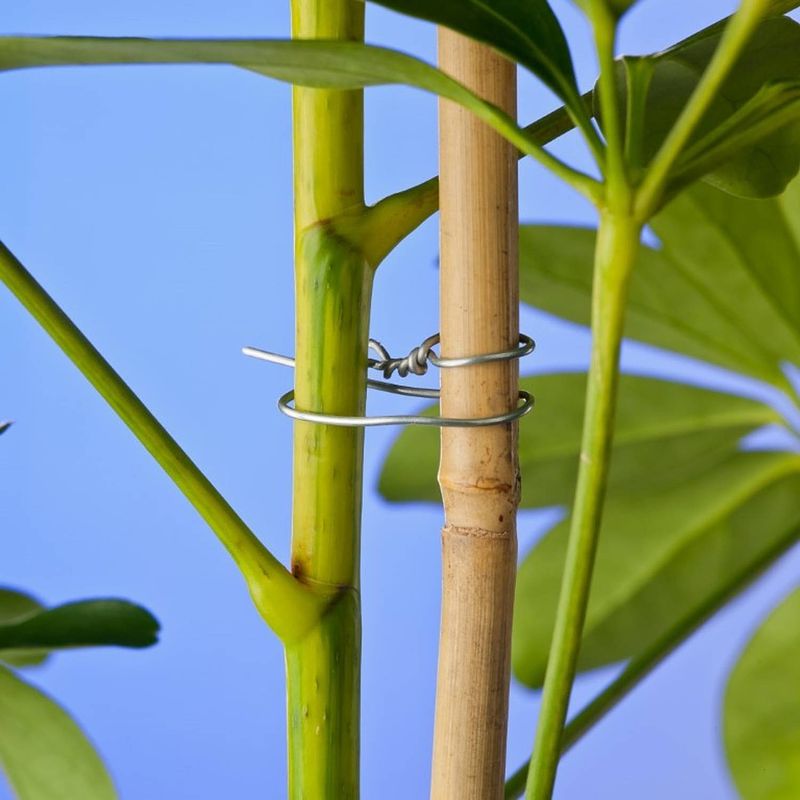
[{"x": 153, "y": 203}]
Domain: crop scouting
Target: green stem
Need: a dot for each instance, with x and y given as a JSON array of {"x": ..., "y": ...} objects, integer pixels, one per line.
[
  {"x": 617, "y": 245},
  {"x": 333, "y": 289},
  {"x": 642, "y": 665},
  {"x": 737, "y": 33},
  {"x": 287, "y": 606},
  {"x": 381, "y": 227},
  {"x": 604, "y": 25}
]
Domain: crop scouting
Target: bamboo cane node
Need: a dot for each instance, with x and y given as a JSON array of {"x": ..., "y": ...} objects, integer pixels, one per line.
[
  {"x": 476, "y": 533},
  {"x": 416, "y": 362}
]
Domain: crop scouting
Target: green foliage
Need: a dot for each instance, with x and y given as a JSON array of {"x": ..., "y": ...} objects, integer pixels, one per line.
[
  {"x": 526, "y": 31},
  {"x": 43, "y": 752},
  {"x": 722, "y": 287},
  {"x": 748, "y": 141},
  {"x": 662, "y": 553},
  {"x": 693, "y": 428},
  {"x": 316, "y": 64},
  {"x": 16, "y": 605},
  {"x": 688, "y": 514},
  {"x": 680, "y": 520},
  {"x": 762, "y": 709},
  {"x": 83, "y": 623},
  {"x": 686, "y": 510}
]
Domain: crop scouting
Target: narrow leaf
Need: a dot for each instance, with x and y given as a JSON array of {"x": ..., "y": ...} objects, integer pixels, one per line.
[
  {"x": 762, "y": 709},
  {"x": 85, "y": 623},
  {"x": 317, "y": 64},
  {"x": 526, "y": 31},
  {"x": 4, "y": 426},
  {"x": 43, "y": 752}
]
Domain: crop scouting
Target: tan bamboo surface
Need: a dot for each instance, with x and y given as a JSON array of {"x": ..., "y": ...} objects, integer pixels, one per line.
[{"x": 479, "y": 472}]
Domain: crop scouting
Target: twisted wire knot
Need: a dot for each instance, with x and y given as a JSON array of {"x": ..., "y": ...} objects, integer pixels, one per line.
[{"x": 415, "y": 363}]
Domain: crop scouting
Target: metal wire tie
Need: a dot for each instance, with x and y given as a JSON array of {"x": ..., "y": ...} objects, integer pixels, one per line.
[{"x": 416, "y": 362}]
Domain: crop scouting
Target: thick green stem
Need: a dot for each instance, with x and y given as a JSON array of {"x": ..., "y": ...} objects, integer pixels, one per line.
[
  {"x": 323, "y": 709},
  {"x": 333, "y": 284},
  {"x": 617, "y": 245},
  {"x": 288, "y": 607}
]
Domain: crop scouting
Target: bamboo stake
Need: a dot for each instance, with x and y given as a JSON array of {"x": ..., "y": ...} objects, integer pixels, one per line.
[{"x": 479, "y": 474}]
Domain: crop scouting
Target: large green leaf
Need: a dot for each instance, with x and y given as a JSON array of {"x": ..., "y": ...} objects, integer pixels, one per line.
[
  {"x": 43, "y": 752},
  {"x": 762, "y": 709},
  {"x": 525, "y": 30},
  {"x": 686, "y": 508},
  {"x": 666, "y": 432},
  {"x": 721, "y": 149},
  {"x": 662, "y": 552},
  {"x": 85, "y": 623},
  {"x": 722, "y": 288},
  {"x": 16, "y": 605}
]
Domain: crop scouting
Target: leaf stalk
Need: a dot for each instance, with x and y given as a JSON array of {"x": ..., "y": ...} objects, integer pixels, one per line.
[
  {"x": 617, "y": 246},
  {"x": 289, "y": 607}
]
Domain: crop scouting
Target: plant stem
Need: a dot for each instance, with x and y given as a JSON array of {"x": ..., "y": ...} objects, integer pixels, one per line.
[
  {"x": 479, "y": 472},
  {"x": 288, "y": 607},
  {"x": 393, "y": 218},
  {"x": 604, "y": 25},
  {"x": 643, "y": 665},
  {"x": 617, "y": 246},
  {"x": 333, "y": 283}
]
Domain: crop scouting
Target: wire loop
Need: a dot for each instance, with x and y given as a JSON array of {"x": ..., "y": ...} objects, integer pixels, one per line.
[{"x": 416, "y": 363}]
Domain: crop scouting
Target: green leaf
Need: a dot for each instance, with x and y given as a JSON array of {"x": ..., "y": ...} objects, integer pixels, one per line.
[
  {"x": 666, "y": 432},
  {"x": 662, "y": 552},
  {"x": 686, "y": 509},
  {"x": 84, "y": 623},
  {"x": 4, "y": 426},
  {"x": 738, "y": 146},
  {"x": 317, "y": 64},
  {"x": 758, "y": 168},
  {"x": 16, "y": 605},
  {"x": 526, "y": 31},
  {"x": 722, "y": 288},
  {"x": 762, "y": 709},
  {"x": 43, "y": 752}
]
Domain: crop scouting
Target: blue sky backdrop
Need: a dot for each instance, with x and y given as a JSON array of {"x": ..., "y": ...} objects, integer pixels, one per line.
[{"x": 154, "y": 204}]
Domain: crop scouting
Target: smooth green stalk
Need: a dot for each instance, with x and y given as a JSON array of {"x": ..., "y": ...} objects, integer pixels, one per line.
[
  {"x": 737, "y": 33},
  {"x": 604, "y": 25},
  {"x": 617, "y": 245},
  {"x": 383, "y": 226},
  {"x": 333, "y": 283},
  {"x": 287, "y": 606},
  {"x": 643, "y": 665}
]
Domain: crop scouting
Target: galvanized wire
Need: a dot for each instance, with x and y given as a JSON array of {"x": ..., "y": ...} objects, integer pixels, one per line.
[{"x": 416, "y": 363}]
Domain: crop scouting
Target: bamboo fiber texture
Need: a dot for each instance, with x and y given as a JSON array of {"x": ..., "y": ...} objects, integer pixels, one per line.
[{"x": 479, "y": 473}]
